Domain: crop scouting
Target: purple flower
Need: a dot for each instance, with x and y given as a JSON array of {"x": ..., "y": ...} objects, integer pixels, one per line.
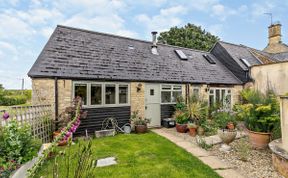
[
  {"x": 68, "y": 134},
  {"x": 6, "y": 115}
]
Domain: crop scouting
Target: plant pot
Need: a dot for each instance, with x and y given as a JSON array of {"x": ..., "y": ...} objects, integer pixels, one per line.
[
  {"x": 141, "y": 128},
  {"x": 200, "y": 131},
  {"x": 60, "y": 143},
  {"x": 227, "y": 136},
  {"x": 259, "y": 140},
  {"x": 181, "y": 128},
  {"x": 192, "y": 132},
  {"x": 230, "y": 126}
]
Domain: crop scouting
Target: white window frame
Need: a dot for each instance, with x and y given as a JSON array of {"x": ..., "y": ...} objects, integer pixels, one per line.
[
  {"x": 171, "y": 92},
  {"x": 214, "y": 94},
  {"x": 88, "y": 94}
]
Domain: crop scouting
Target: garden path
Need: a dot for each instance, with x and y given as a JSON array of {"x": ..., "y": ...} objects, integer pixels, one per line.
[{"x": 189, "y": 144}]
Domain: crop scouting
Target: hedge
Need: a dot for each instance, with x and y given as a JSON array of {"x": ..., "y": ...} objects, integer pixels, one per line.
[{"x": 12, "y": 100}]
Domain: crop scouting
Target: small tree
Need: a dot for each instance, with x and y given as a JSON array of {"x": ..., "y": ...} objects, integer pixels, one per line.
[{"x": 189, "y": 36}]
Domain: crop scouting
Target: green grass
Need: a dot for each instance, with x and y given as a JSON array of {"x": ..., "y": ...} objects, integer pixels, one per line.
[{"x": 147, "y": 155}]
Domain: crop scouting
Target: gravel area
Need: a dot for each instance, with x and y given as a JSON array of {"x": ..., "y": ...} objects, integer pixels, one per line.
[{"x": 250, "y": 162}]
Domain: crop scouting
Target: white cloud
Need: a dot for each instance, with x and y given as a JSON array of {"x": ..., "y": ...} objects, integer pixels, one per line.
[
  {"x": 13, "y": 27},
  {"x": 47, "y": 32},
  {"x": 215, "y": 29},
  {"x": 167, "y": 18}
]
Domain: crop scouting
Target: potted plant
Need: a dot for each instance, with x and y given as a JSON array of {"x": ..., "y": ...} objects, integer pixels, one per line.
[
  {"x": 192, "y": 129},
  {"x": 181, "y": 119},
  {"x": 198, "y": 112},
  {"x": 139, "y": 122},
  {"x": 222, "y": 119},
  {"x": 261, "y": 114}
]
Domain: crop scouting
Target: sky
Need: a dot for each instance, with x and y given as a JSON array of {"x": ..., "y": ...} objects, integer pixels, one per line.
[{"x": 25, "y": 26}]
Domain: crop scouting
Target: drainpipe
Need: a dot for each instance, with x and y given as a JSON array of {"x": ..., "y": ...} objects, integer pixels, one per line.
[
  {"x": 56, "y": 102},
  {"x": 187, "y": 88}
]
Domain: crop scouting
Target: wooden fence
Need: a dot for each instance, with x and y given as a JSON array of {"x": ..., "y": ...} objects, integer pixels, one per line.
[{"x": 39, "y": 117}]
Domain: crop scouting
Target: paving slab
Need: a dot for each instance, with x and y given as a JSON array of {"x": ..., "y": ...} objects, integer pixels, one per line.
[
  {"x": 229, "y": 173},
  {"x": 214, "y": 162},
  {"x": 106, "y": 162},
  {"x": 198, "y": 152}
]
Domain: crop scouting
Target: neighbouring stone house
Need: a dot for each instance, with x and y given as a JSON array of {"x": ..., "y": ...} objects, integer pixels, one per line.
[{"x": 117, "y": 75}]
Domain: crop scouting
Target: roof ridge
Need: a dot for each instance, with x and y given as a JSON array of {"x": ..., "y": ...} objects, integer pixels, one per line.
[{"x": 128, "y": 38}]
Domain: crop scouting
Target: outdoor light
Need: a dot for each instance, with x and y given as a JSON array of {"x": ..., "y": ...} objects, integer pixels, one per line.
[{"x": 139, "y": 86}]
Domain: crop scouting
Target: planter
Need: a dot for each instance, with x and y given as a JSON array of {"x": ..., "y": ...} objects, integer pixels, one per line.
[
  {"x": 227, "y": 136},
  {"x": 200, "y": 131},
  {"x": 259, "y": 140},
  {"x": 141, "y": 128},
  {"x": 230, "y": 126},
  {"x": 181, "y": 128},
  {"x": 192, "y": 132},
  {"x": 60, "y": 143}
]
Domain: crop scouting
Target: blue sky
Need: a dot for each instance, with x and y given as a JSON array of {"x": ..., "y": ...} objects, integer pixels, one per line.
[{"x": 25, "y": 26}]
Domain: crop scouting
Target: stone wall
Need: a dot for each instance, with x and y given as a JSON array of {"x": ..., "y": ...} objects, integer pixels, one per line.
[
  {"x": 236, "y": 94},
  {"x": 271, "y": 76},
  {"x": 137, "y": 98},
  {"x": 43, "y": 92}
]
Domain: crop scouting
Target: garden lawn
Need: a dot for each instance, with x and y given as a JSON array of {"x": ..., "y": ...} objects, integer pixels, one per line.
[{"x": 146, "y": 155}]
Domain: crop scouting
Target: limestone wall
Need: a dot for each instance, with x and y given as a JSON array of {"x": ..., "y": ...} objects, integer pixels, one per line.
[
  {"x": 271, "y": 76},
  {"x": 137, "y": 98},
  {"x": 43, "y": 92}
]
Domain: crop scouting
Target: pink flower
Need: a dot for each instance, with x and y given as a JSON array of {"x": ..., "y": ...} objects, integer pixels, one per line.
[
  {"x": 68, "y": 134},
  {"x": 5, "y": 115}
]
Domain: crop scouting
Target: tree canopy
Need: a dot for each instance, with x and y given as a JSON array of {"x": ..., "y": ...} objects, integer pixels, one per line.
[{"x": 189, "y": 36}]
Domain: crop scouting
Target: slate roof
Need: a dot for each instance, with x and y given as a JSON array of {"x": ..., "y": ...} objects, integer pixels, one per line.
[
  {"x": 281, "y": 56},
  {"x": 80, "y": 54},
  {"x": 240, "y": 51}
]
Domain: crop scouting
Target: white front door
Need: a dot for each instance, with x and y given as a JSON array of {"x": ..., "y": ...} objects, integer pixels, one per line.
[{"x": 152, "y": 104}]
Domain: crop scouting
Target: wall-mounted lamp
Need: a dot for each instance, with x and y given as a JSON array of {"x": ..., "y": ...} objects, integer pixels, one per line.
[{"x": 139, "y": 86}]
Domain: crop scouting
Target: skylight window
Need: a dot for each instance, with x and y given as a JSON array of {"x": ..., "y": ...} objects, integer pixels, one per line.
[
  {"x": 209, "y": 59},
  {"x": 245, "y": 62},
  {"x": 130, "y": 47},
  {"x": 180, "y": 54}
]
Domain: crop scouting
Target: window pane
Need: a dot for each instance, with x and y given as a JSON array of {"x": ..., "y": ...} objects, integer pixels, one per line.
[
  {"x": 166, "y": 87},
  {"x": 96, "y": 94},
  {"x": 227, "y": 101},
  {"x": 177, "y": 87},
  {"x": 110, "y": 94},
  {"x": 217, "y": 96},
  {"x": 211, "y": 91},
  {"x": 176, "y": 94},
  {"x": 123, "y": 94},
  {"x": 196, "y": 91},
  {"x": 211, "y": 100},
  {"x": 166, "y": 96},
  {"x": 81, "y": 90}
]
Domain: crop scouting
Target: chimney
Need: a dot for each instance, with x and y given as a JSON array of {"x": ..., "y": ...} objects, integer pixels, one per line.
[
  {"x": 274, "y": 33},
  {"x": 154, "y": 43}
]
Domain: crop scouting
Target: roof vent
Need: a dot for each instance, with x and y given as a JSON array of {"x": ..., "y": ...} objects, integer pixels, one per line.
[
  {"x": 209, "y": 59},
  {"x": 180, "y": 54},
  {"x": 245, "y": 62}
]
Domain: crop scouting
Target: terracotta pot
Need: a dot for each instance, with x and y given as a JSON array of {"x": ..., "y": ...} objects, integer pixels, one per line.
[
  {"x": 60, "y": 143},
  {"x": 141, "y": 128},
  {"x": 192, "y": 132},
  {"x": 227, "y": 136},
  {"x": 200, "y": 131},
  {"x": 181, "y": 128},
  {"x": 230, "y": 126},
  {"x": 259, "y": 140}
]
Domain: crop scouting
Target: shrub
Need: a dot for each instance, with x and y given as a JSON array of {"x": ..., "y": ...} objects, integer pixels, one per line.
[
  {"x": 222, "y": 118},
  {"x": 17, "y": 146},
  {"x": 180, "y": 117},
  {"x": 13, "y": 100},
  {"x": 260, "y": 112}
]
